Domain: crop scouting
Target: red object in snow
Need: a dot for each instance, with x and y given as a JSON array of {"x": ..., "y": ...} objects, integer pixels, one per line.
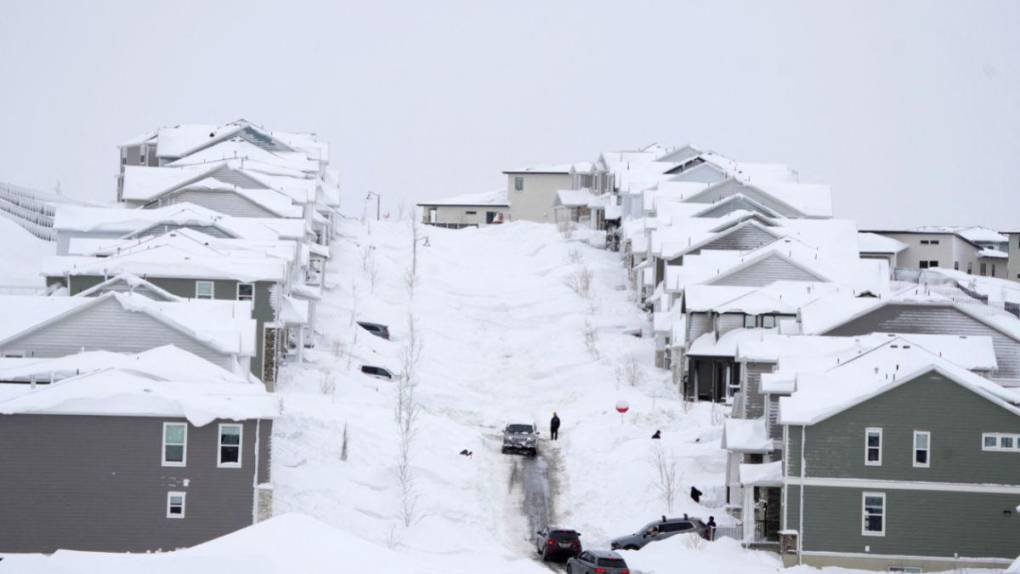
[{"x": 622, "y": 407}]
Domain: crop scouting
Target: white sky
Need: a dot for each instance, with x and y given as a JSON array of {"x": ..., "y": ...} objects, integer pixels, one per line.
[{"x": 911, "y": 110}]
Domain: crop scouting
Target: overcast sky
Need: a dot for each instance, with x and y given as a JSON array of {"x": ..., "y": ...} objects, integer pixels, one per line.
[{"x": 911, "y": 110}]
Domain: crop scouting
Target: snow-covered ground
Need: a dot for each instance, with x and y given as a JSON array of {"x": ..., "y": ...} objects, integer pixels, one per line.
[
  {"x": 21, "y": 255},
  {"x": 503, "y": 338}
]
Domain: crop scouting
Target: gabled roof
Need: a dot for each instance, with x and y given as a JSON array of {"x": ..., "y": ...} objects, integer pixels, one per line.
[
  {"x": 763, "y": 257},
  {"x": 575, "y": 198},
  {"x": 242, "y": 149},
  {"x": 225, "y": 326},
  {"x": 131, "y": 284},
  {"x": 818, "y": 397},
  {"x": 164, "y": 363},
  {"x": 810, "y": 200},
  {"x": 116, "y": 392},
  {"x": 128, "y": 221},
  {"x": 741, "y": 199},
  {"x": 875, "y": 243},
  {"x": 183, "y": 140}
]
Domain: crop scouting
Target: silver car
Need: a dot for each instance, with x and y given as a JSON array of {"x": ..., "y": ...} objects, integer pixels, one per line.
[
  {"x": 597, "y": 562},
  {"x": 660, "y": 530},
  {"x": 521, "y": 438}
]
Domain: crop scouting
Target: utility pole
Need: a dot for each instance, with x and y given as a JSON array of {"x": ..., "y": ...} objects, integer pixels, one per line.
[{"x": 377, "y": 198}]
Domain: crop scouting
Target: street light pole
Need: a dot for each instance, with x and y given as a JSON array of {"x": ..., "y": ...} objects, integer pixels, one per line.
[{"x": 377, "y": 198}]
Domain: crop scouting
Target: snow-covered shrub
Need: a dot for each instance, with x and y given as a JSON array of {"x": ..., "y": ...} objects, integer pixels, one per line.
[
  {"x": 575, "y": 257},
  {"x": 667, "y": 476},
  {"x": 591, "y": 340},
  {"x": 580, "y": 281}
]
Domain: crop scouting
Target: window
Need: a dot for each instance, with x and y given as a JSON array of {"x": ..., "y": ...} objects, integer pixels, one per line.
[
  {"x": 984, "y": 269},
  {"x": 471, "y": 213},
  {"x": 993, "y": 270},
  {"x": 1000, "y": 442},
  {"x": 518, "y": 183},
  {"x": 924, "y": 242},
  {"x": 922, "y": 449},
  {"x": 768, "y": 321},
  {"x": 175, "y": 444},
  {"x": 956, "y": 265},
  {"x": 749, "y": 322},
  {"x": 970, "y": 268},
  {"x": 934, "y": 241},
  {"x": 230, "y": 446},
  {"x": 245, "y": 292},
  {"x": 175, "y": 504},
  {"x": 873, "y": 505},
  {"x": 204, "y": 290},
  {"x": 873, "y": 447}
]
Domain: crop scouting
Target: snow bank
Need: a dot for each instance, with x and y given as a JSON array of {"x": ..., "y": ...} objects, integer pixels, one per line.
[
  {"x": 21, "y": 253},
  {"x": 689, "y": 553}
]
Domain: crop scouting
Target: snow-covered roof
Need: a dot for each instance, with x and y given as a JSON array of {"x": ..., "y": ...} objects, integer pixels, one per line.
[
  {"x": 187, "y": 241},
  {"x": 489, "y": 198},
  {"x": 132, "y": 283},
  {"x": 551, "y": 168},
  {"x": 974, "y": 234},
  {"x": 997, "y": 290},
  {"x": 116, "y": 392},
  {"x": 746, "y": 435},
  {"x": 819, "y": 396},
  {"x": 165, "y": 363},
  {"x": 993, "y": 253},
  {"x": 241, "y": 149},
  {"x": 125, "y": 221},
  {"x": 875, "y": 243},
  {"x": 761, "y": 474},
  {"x": 223, "y": 325},
  {"x": 575, "y": 198}
]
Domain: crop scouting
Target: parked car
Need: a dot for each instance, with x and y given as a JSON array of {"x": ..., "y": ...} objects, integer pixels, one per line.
[
  {"x": 557, "y": 543},
  {"x": 377, "y": 372},
  {"x": 597, "y": 562},
  {"x": 660, "y": 530},
  {"x": 377, "y": 329},
  {"x": 522, "y": 438}
]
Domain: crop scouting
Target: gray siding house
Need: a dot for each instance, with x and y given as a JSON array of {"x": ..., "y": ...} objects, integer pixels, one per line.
[
  {"x": 923, "y": 475},
  {"x": 82, "y": 472}
]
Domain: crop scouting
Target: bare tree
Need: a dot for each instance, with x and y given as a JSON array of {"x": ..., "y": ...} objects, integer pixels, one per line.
[
  {"x": 406, "y": 414},
  {"x": 574, "y": 256},
  {"x": 591, "y": 340},
  {"x": 327, "y": 383},
  {"x": 630, "y": 372},
  {"x": 411, "y": 276},
  {"x": 667, "y": 476},
  {"x": 344, "y": 440},
  {"x": 580, "y": 281}
]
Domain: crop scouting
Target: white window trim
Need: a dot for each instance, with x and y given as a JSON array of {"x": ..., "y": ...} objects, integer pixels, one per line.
[
  {"x": 212, "y": 289},
  {"x": 864, "y": 514},
  {"x": 238, "y": 292},
  {"x": 184, "y": 454},
  {"x": 998, "y": 441},
  {"x": 184, "y": 504},
  {"x": 240, "y": 446},
  {"x": 927, "y": 450},
  {"x": 867, "y": 432}
]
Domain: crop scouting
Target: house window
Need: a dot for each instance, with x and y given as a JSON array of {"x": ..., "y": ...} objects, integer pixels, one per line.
[
  {"x": 956, "y": 265},
  {"x": 929, "y": 264},
  {"x": 970, "y": 268},
  {"x": 768, "y": 321},
  {"x": 873, "y": 511},
  {"x": 993, "y": 270},
  {"x": 245, "y": 292},
  {"x": 175, "y": 502},
  {"x": 924, "y": 242},
  {"x": 873, "y": 447},
  {"x": 230, "y": 446},
  {"x": 204, "y": 289},
  {"x": 983, "y": 268},
  {"x": 749, "y": 322},
  {"x": 518, "y": 183},
  {"x": 1000, "y": 442},
  {"x": 922, "y": 449},
  {"x": 471, "y": 212},
  {"x": 934, "y": 242},
  {"x": 175, "y": 444}
]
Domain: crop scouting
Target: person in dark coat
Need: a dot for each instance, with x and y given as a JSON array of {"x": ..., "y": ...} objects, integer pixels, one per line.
[
  {"x": 554, "y": 427},
  {"x": 695, "y": 494},
  {"x": 657, "y": 435},
  {"x": 710, "y": 526}
]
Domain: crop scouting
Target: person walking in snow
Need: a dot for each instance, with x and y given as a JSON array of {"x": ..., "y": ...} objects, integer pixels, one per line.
[{"x": 554, "y": 427}]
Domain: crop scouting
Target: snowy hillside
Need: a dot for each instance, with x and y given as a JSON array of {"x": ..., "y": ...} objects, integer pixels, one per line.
[{"x": 21, "y": 254}]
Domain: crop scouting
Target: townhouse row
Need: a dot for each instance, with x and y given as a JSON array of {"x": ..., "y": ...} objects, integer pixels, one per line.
[{"x": 137, "y": 391}]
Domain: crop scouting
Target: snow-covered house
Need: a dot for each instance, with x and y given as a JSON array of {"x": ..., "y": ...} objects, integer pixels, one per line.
[
  {"x": 974, "y": 250},
  {"x": 532, "y": 190},
  {"x": 193, "y": 266},
  {"x": 466, "y": 210},
  {"x": 116, "y": 460},
  {"x": 221, "y": 332},
  {"x": 886, "y": 455}
]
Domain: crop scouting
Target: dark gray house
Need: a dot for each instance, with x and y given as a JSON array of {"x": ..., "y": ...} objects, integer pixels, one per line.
[
  {"x": 118, "y": 462},
  {"x": 901, "y": 460}
]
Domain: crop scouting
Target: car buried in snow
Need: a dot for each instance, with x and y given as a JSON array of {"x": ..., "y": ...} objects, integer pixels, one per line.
[
  {"x": 377, "y": 329},
  {"x": 557, "y": 543},
  {"x": 660, "y": 530},
  {"x": 520, "y": 438},
  {"x": 377, "y": 372},
  {"x": 597, "y": 562}
]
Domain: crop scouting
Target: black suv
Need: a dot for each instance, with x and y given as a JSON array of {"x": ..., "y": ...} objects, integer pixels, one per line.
[
  {"x": 377, "y": 372},
  {"x": 557, "y": 543},
  {"x": 381, "y": 331}
]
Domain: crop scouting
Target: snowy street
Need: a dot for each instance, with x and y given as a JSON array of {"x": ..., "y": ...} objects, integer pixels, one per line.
[{"x": 503, "y": 339}]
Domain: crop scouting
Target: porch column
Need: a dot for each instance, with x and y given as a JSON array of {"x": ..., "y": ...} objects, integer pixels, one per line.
[{"x": 747, "y": 514}]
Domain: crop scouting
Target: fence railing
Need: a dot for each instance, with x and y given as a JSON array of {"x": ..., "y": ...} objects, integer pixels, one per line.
[{"x": 31, "y": 210}]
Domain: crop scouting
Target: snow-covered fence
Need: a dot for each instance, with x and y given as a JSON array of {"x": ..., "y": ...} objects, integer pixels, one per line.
[{"x": 29, "y": 209}]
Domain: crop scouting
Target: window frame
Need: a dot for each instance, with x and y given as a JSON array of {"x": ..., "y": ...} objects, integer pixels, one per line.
[
  {"x": 238, "y": 291},
  {"x": 519, "y": 184},
  {"x": 926, "y": 449},
  {"x": 184, "y": 504},
  {"x": 753, "y": 321},
  {"x": 220, "y": 445},
  {"x": 184, "y": 446},
  {"x": 867, "y": 447},
  {"x": 764, "y": 318},
  {"x": 864, "y": 514},
  {"x": 997, "y": 439},
  {"x": 212, "y": 289}
]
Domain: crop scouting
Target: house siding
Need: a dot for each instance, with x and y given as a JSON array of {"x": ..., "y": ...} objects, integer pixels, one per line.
[
  {"x": 918, "y": 523},
  {"x": 728, "y": 322},
  {"x": 754, "y": 400},
  {"x": 108, "y": 326},
  {"x": 697, "y": 325},
  {"x": 769, "y": 270},
  {"x": 728, "y": 207},
  {"x": 744, "y": 238},
  {"x": 223, "y": 289},
  {"x": 731, "y": 187},
  {"x": 535, "y": 202},
  {"x": 936, "y": 320},
  {"x": 96, "y": 483},
  {"x": 701, "y": 173},
  {"x": 225, "y": 202}
]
